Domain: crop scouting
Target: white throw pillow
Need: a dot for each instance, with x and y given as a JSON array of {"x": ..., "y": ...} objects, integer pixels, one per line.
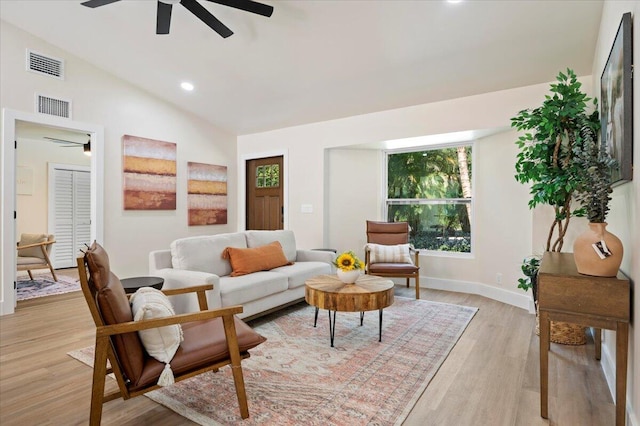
[
  {"x": 162, "y": 342},
  {"x": 389, "y": 254}
]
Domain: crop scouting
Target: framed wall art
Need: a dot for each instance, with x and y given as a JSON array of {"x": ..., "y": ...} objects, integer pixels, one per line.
[
  {"x": 149, "y": 167},
  {"x": 617, "y": 103},
  {"x": 207, "y": 194}
]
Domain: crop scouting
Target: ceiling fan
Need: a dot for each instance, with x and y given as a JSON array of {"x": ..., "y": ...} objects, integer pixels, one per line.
[
  {"x": 72, "y": 144},
  {"x": 163, "y": 17}
]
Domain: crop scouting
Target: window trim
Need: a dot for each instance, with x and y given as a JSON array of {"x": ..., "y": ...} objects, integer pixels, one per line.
[{"x": 433, "y": 147}]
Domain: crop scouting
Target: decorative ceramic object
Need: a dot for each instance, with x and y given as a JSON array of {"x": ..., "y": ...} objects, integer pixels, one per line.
[
  {"x": 348, "y": 277},
  {"x": 598, "y": 252}
]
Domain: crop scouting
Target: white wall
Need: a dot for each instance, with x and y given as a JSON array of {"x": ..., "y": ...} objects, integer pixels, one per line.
[
  {"x": 102, "y": 99},
  {"x": 353, "y": 186},
  {"x": 503, "y": 224},
  {"x": 625, "y": 206}
]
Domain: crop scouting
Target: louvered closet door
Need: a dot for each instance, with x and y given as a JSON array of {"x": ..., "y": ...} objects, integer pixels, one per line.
[{"x": 71, "y": 219}]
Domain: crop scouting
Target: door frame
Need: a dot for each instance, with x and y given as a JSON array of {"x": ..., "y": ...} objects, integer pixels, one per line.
[
  {"x": 51, "y": 210},
  {"x": 242, "y": 185},
  {"x": 8, "y": 191}
]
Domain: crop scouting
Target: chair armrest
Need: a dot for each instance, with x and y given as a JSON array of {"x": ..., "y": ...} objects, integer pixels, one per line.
[
  {"x": 42, "y": 244},
  {"x": 200, "y": 290},
  {"x": 192, "y": 289},
  {"x": 134, "y": 326},
  {"x": 180, "y": 279},
  {"x": 416, "y": 256}
]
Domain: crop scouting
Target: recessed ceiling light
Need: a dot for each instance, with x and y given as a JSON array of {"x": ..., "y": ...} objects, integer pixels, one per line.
[{"x": 186, "y": 86}]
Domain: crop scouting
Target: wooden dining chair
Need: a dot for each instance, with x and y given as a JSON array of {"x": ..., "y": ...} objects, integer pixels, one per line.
[
  {"x": 212, "y": 338},
  {"x": 389, "y": 254},
  {"x": 33, "y": 253}
]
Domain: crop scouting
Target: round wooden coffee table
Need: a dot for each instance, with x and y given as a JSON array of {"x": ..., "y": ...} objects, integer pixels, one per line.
[{"x": 368, "y": 293}]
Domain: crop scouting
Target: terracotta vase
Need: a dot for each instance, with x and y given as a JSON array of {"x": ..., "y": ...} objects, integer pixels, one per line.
[
  {"x": 348, "y": 277},
  {"x": 590, "y": 255}
]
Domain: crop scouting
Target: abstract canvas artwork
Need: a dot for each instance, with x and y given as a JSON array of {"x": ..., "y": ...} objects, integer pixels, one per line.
[
  {"x": 149, "y": 179},
  {"x": 207, "y": 194}
]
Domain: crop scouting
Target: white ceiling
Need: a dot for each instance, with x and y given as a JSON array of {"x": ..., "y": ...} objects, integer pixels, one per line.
[{"x": 318, "y": 60}]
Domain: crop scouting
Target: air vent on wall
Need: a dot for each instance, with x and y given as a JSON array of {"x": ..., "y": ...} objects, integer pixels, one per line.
[
  {"x": 45, "y": 65},
  {"x": 53, "y": 106}
]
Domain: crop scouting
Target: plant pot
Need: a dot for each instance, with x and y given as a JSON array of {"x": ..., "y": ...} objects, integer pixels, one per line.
[
  {"x": 590, "y": 255},
  {"x": 348, "y": 277}
]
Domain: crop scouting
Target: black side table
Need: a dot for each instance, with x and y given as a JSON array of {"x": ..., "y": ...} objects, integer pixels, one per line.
[{"x": 132, "y": 284}]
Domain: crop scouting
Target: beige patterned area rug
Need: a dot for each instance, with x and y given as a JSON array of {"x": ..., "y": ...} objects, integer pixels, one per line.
[
  {"x": 296, "y": 378},
  {"x": 44, "y": 285}
]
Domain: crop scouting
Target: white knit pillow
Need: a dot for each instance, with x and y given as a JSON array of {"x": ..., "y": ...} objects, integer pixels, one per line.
[
  {"x": 163, "y": 342},
  {"x": 389, "y": 254}
]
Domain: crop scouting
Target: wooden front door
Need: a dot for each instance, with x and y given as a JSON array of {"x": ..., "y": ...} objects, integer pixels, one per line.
[{"x": 265, "y": 208}]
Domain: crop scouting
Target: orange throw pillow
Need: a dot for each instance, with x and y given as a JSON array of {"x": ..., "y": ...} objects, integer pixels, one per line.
[{"x": 247, "y": 260}]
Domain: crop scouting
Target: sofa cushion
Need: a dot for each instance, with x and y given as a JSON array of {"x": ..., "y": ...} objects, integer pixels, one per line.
[
  {"x": 286, "y": 238},
  {"x": 247, "y": 288},
  {"x": 204, "y": 253},
  {"x": 389, "y": 254},
  {"x": 299, "y": 272},
  {"x": 249, "y": 260}
]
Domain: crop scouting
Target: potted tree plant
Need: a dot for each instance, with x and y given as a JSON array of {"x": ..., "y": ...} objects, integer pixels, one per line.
[
  {"x": 596, "y": 251},
  {"x": 547, "y": 161},
  {"x": 547, "y": 151}
]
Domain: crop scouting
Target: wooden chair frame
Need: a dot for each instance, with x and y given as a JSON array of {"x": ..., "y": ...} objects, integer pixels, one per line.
[
  {"x": 416, "y": 275},
  {"x": 46, "y": 262},
  {"x": 104, "y": 350}
]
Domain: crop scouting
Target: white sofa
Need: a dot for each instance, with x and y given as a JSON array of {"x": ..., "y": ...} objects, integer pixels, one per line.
[{"x": 198, "y": 260}]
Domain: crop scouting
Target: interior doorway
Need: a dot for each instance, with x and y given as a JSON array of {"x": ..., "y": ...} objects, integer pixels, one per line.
[
  {"x": 265, "y": 193},
  {"x": 69, "y": 217},
  {"x": 11, "y": 120}
]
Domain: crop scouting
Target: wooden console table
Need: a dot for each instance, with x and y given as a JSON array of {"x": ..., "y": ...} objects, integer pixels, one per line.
[{"x": 599, "y": 302}]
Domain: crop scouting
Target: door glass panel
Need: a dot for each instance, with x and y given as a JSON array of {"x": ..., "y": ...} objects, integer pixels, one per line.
[{"x": 268, "y": 176}]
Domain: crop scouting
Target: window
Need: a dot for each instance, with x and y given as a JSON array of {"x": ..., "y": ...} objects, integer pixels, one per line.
[
  {"x": 268, "y": 176},
  {"x": 431, "y": 189}
]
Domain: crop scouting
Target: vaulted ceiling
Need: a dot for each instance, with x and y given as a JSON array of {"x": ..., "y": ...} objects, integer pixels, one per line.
[{"x": 316, "y": 60}]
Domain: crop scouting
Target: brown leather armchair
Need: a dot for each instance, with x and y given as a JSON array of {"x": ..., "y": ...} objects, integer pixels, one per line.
[
  {"x": 212, "y": 338},
  {"x": 392, "y": 234}
]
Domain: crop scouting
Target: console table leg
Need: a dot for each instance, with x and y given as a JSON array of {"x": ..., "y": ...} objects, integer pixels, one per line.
[
  {"x": 544, "y": 363},
  {"x": 622, "y": 347}
]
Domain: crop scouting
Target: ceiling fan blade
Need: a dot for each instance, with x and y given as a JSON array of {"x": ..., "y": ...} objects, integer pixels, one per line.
[
  {"x": 97, "y": 3},
  {"x": 203, "y": 14},
  {"x": 62, "y": 141},
  {"x": 163, "y": 20},
  {"x": 248, "y": 6}
]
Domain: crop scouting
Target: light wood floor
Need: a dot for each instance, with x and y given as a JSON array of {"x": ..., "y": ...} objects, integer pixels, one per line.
[{"x": 490, "y": 377}]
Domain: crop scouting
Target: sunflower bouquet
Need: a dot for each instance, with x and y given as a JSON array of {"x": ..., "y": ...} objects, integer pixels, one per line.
[{"x": 348, "y": 261}]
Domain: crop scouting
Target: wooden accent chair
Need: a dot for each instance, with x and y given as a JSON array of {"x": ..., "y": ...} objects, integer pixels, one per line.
[
  {"x": 391, "y": 234},
  {"x": 33, "y": 253},
  {"x": 212, "y": 338}
]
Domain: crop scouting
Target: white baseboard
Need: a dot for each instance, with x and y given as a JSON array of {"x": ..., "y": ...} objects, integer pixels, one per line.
[
  {"x": 523, "y": 301},
  {"x": 609, "y": 369}
]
